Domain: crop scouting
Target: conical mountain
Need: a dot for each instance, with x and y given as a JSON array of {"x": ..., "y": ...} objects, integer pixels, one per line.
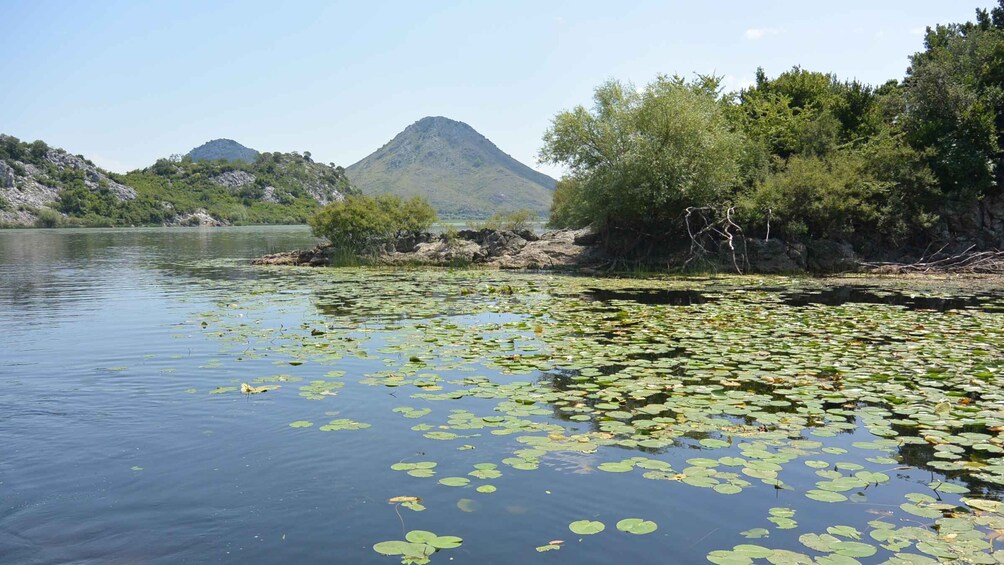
[
  {"x": 457, "y": 169},
  {"x": 226, "y": 149}
]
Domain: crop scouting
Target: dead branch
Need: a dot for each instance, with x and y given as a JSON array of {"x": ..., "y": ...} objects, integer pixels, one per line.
[
  {"x": 966, "y": 262},
  {"x": 719, "y": 228}
]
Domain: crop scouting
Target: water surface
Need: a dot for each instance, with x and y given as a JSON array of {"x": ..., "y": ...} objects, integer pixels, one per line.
[{"x": 718, "y": 408}]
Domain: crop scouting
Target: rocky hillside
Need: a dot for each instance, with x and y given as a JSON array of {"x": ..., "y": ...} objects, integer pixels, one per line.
[
  {"x": 33, "y": 175},
  {"x": 225, "y": 149},
  {"x": 44, "y": 186},
  {"x": 275, "y": 188},
  {"x": 459, "y": 171}
]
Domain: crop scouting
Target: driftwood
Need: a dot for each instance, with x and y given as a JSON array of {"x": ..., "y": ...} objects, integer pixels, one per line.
[
  {"x": 711, "y": 231},
  {"x": 969, "y": 261}
]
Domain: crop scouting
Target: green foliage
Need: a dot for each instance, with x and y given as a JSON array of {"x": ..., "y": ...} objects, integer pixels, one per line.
[
  {"x": 181, "y": 186},
  {"x": 804, "y": 154},
  {"x": 359, "y": 223},
  {"x": 285, "y": 189},
  {"x": 638, "y": 157},
  {"x": 12, "y": 149},
  {"x": 516, "y": 220},
  {"x": 566, "y": 209},
  {"x": 879, "y": 192},
  {"x": 48, "y": 218},
  {"x": 955, "y": 92},
  {"x": 411, "y": 216}
]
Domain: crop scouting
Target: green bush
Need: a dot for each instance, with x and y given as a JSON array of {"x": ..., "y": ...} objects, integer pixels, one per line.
[
  {"x": 48, "y": 218},
  {"x": 516, "y": 220},
  {"x": 360, "y": 223},
  {"x": 878, "y": 194}
]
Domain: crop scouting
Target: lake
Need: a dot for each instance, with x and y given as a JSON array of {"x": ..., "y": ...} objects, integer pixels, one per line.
[{"x": 475, "y": 416}]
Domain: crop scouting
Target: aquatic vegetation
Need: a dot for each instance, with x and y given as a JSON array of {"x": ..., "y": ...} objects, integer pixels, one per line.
[
  {"x": 723, "y": 388},
  {"x": 586, "y": 527},
  {"x": 420, "y": 545},
  {"x": 636, "y": 526}
]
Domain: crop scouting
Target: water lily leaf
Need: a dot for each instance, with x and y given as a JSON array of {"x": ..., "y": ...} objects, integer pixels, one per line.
[
  {"x": 985, "y": 505},
  {"x": 752, "y": 551},
  {"x": 922, "y": 511},
  {"x": 548, "y": 547},
  {"x": 756, "y": 533},
  {"x": 825, "y": 496},
  {"x": 420, "y": 536},
  {"x": 854, "y": 549},
  {"x": 586, "y": 527},
  {"x": 636, "y": 526},
  {"x": 454, "y": 481},
  {"x": 722, "y": 557},
  {"x": 845, "y": 532},
  {"x": 612, "y": 467},
  {"x": 301, "y": 424},
  {"x": 727, "y": 489},
  {"x": 400, "y": 548}
]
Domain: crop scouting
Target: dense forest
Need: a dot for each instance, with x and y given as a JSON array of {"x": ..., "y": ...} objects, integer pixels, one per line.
[{"x": 801, "y": 156}]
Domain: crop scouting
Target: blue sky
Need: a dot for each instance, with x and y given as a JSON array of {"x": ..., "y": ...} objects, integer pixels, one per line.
[{"x": 126, "y": 82}]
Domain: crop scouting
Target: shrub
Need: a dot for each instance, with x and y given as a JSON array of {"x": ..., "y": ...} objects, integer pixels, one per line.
[
  {"x": 517, "y": 220},
  {"x": 48, "y": 218},
  {"x": 360, "y": 223}
]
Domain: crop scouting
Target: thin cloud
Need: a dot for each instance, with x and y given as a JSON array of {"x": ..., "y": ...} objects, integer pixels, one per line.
[
  {"x": 755, "y": 33},
  {"x": 919, "y": 30}
]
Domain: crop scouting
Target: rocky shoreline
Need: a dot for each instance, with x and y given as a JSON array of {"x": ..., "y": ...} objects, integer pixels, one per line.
[
  {"x": 581, "y": 250},
  {"x": 559, "y": 249},
  {"x": 573, "y": 250}
]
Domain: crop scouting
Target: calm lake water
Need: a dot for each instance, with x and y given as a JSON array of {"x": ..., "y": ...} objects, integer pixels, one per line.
[{"x": 749, "y": 418}]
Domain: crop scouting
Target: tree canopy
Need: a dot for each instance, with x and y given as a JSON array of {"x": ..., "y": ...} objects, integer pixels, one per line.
[
  {"x": 804, "y": 154},
  {"x": 640, "y": 155}
]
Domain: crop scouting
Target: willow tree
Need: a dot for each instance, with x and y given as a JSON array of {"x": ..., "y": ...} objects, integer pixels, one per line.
[{"x": 640, "y": 157}]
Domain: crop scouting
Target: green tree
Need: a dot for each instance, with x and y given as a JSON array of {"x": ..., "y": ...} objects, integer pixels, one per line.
[
  {"x": 955, "y": 94},
  {"x": 638, "y": 158}
]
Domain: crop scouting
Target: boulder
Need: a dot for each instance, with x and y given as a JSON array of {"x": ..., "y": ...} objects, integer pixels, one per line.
[
  {"x": 774, "y": 256},
  {"x": 828, "y": 256}
]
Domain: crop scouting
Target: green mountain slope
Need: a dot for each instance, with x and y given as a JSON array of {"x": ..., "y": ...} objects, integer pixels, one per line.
[
  {"x": 457, "y": 169},
  {"x": 225, "y": 149},
  {"x": 277, "y": 188},
  {"x": 45, "y": 186}
]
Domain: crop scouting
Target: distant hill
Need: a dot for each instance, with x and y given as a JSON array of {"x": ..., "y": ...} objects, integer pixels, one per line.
[
  {"x": 226, "y": 149},
  {"x": 457, "y": 169},
  {"x": 46, "y": 186}
]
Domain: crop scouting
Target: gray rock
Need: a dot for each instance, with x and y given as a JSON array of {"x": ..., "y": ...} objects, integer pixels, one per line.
[
  {"x": 233, "y": 179},
  {"x": 499, "y": 243},
  {"x": 94, "y": 179},
  {"x": 774, "y": 256},
  {"x": 199, "y": 217},
  {"x": 827, "y": 256},
  {"x": 7, "y": 176},
  {"x": 269, "y": 195}
]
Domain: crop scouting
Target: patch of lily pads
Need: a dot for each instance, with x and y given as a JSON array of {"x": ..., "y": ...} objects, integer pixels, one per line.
[{"x": 740, "y": 394}]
